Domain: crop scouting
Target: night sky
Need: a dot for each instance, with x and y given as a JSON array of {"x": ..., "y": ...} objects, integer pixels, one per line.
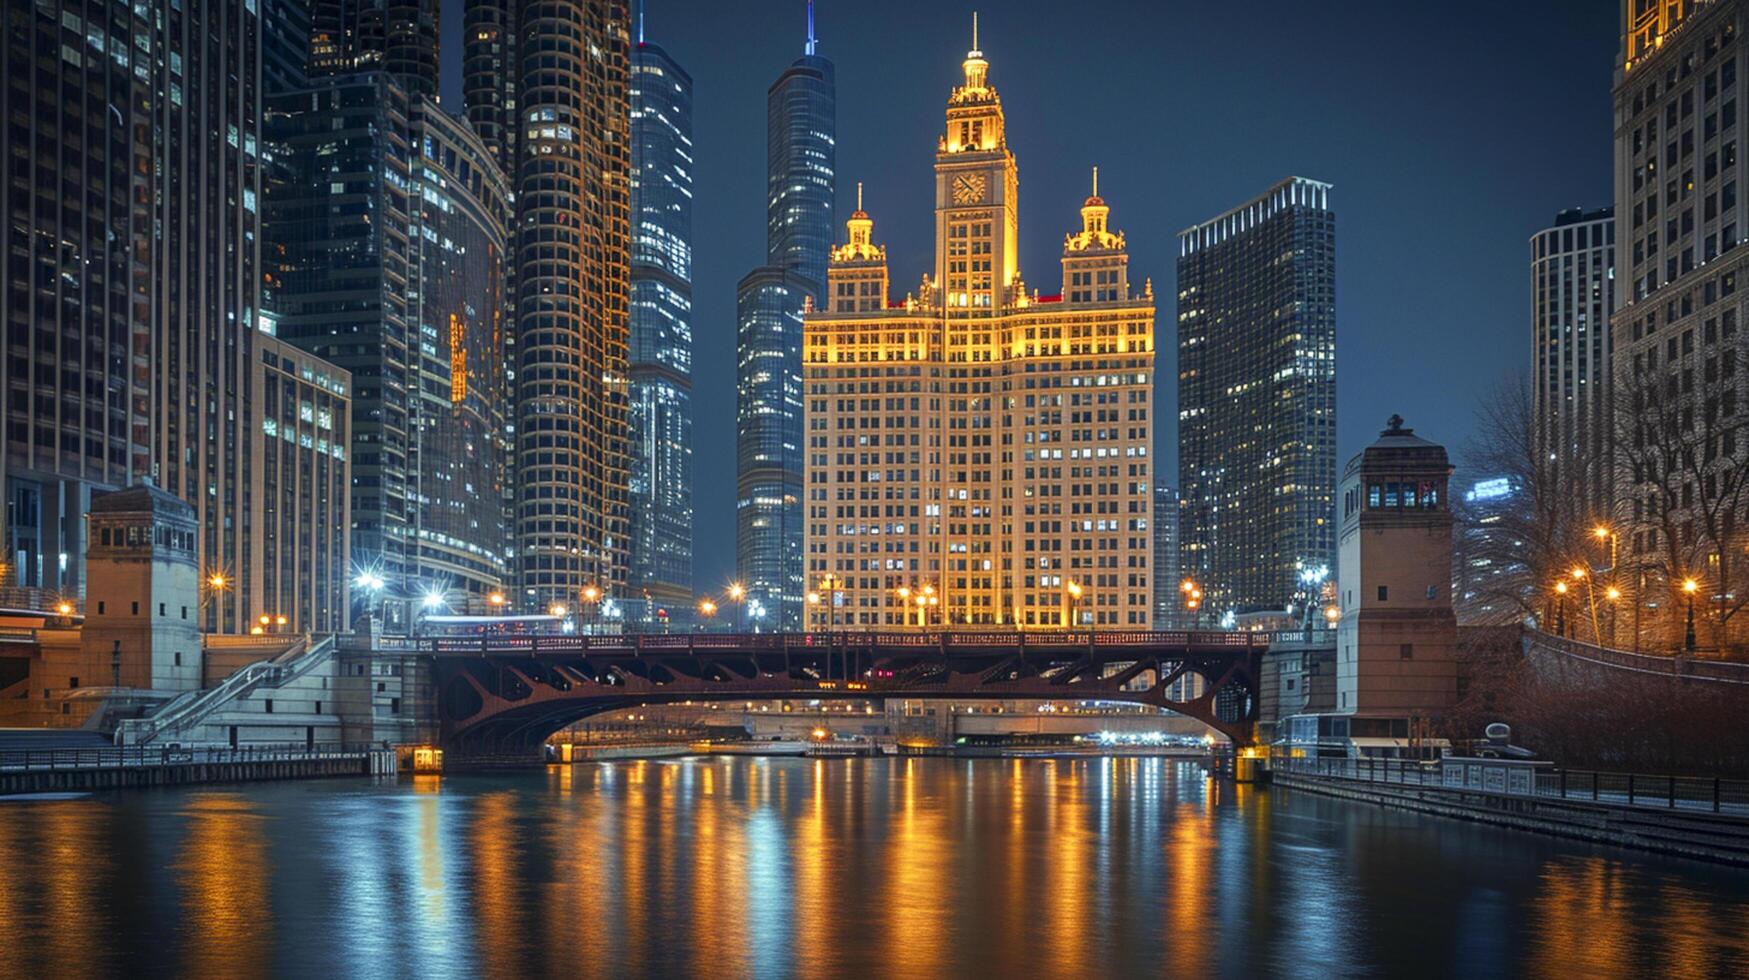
[{"x": 1450, "y": 131}]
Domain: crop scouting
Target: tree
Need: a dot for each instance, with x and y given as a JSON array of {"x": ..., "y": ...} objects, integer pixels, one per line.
[
  {"x": 1684, "y": 485},
  {"x": 1538, "y": 533}
]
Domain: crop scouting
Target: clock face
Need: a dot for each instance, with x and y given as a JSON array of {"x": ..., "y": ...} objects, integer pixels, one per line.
[{"x": 968, "y": 188}]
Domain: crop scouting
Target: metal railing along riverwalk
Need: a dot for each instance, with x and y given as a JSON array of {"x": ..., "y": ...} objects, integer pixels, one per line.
[
  {"x": 150, "y": 756},
  {"x": 1689, "y": 794}
]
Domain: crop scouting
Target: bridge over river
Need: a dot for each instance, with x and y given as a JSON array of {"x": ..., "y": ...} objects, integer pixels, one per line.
[{"x": 504, "y": 694}]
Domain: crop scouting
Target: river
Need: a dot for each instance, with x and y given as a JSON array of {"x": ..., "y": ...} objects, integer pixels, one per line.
[{"x": 788, "y": 867}]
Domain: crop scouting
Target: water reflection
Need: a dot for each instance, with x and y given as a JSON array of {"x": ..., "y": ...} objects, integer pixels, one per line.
[
  {"x": 789, "y": 867},
  {"x": 224, "y": 876}
]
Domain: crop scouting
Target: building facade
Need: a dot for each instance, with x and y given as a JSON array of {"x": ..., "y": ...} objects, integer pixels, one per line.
[
  {"x": 1170, "y": 611},
  {"x": 546, "y": 87},
  {"x": 660, "y": 372},
  {"x": 1572, "y": 296},
  {"x": 341, "y": 285},
  {"x": 397, "y": 36},
  {"x": 801, "y": 164},
  {"x": 77, "y": 384},
  {"x": 1678, "y": 337},
  {"x": 977, "y": 453},
  {"x": 459, "y": 541},
  {"x": 1257, "y": 397}
]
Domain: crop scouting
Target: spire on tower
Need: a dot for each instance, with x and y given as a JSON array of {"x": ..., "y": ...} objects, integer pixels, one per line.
[
  {"x": 810, "y": 47},
  {"x": 1096, "y": 180},
  {"x": 974, "y": 52},
  {"x": 859, "y": 195}
]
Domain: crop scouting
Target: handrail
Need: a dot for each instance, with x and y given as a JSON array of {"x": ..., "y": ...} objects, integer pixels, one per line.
[
  {"x": 1454, "y": 773},
  {"x": 190, "y": 709},
  {"x": 1646, "y": 663},
  {"x": 660, "y": 643},
  {"x": 140, "y": 756}
]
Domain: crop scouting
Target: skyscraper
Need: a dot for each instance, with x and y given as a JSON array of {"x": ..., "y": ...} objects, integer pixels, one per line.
[
  {"x": 1169, "y": 610},
  {"x": 801, "y": 162},
  {"x": 1572, "y": 297},
  {"x": 342, "y": 276},
  {"x": 459, "y": 542},
  {"x": 978, "y": 453},
  {"x": 78, "y": 378},
  {"x": 1678, "y": 335},
  {"x": 1257, "y": 397},
  {"x": 660, "y": 372},
  {"x": 396, "y": 36},
  {"x": 556, "y": 107}
]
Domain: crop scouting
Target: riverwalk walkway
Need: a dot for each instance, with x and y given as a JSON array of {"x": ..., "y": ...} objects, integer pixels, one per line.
[
  {"x": 1700, "y": 817},
  {"x": 68, "y": 768}
]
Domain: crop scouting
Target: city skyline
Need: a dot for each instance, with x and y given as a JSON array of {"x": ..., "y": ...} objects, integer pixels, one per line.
[{"x": 1416, "y": 145}]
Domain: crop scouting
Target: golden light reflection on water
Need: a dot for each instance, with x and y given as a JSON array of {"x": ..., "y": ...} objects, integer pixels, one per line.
[
  {"x": 498, "y": 891},
  {"x": 224, "y": 874},
  {"x": 790, "y": 867}
]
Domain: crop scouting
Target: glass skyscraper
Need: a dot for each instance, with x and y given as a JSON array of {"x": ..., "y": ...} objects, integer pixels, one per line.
[
  {"x": 801, "y": 162},
  {"x": 1257, "y": 397},
  {"x": 460, "y": 504},
  {"x": 659, "y": 372}
]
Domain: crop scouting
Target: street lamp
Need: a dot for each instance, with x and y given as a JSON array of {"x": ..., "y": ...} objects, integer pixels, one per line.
[
  {"x": 1071, "y": 592},
  {"x": 1192, "y": 600},
  {"x": 1614, "y": 597},
  {"x": 65, "y": 608},
  {"x": 738, "y": 593},
  {"x": 904, "y": 594},
  {"x": 496, "y": 601},
  {"x": 1561, "y": 616},
  {"x": 707, "y": 609},
  {"x": 592, "y": 599},
  {"x": 1689, "y": 587}
]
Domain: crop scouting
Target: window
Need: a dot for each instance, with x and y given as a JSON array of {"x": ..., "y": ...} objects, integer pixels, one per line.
[
  {"x": 178, "y": 656},
  {"x": 1406, "y": 651},
  {"x": 1384, "y": 593},
  {"x": 267, "y": 705},
  {"x": 136, "y": 608}
]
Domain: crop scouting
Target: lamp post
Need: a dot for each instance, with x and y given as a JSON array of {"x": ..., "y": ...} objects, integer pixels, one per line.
[
  {"x": 814, "y": 600},
  {"x": 1071, "y": 593},
  {"x": 928, "y": 601},
  {"x": 1614, "y": 597},
  {"x": 1689, "y": 587},
  {"x": 738, "y": 595},
  {"x": 496, "y": 601},
  {"x": 1580, "y": 575},
  {"x": 1603, "y": 533},
  {"x": 1192, "y": 593},
  {"x": 372, "y": 584},
  {"x": 707, "y": 609},
  {"x": 1561, "y": 615},
  {"x": 904, "y": 594},
  {"x": 592, "y": 600}
]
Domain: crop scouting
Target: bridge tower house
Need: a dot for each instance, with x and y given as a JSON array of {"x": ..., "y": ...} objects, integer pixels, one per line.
[
  {"x": 1396, "y": 644},
  {"x": 142, "y": 593}
]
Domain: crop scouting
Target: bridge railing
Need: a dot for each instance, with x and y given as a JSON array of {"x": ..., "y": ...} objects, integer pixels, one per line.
[
  {"x": 660, "y": 643},
  {"x": 1461, "y": 774},
  {"x": 1676, "y": 665},
  {"x": 148, "y": 756}
]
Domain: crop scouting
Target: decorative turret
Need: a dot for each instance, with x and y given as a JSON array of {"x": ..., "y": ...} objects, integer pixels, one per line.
[
  {"x": 856, "y": 279},
  {"x": 860, "y": 228},
  {"x": 1095, "y": 265},
  {"x": 1093, "y": 233}
]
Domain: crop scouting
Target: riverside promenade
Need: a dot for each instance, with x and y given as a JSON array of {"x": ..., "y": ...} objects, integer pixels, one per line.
[{"x": 1699, "y": 817}]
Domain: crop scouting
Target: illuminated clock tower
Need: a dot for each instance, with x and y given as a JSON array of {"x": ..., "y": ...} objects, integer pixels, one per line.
[{"x": 976, "y": 188}]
